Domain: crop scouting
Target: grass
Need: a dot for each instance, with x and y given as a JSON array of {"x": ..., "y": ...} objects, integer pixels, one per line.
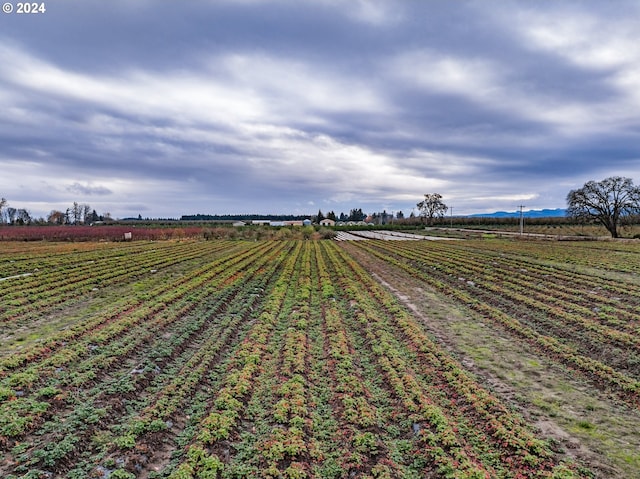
[
  {"x": 586, "y": 425},
  {"x": 545, "y": 393}
]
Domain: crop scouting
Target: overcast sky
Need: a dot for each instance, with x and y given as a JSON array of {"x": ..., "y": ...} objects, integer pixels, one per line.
[{"x": 164, "y": 108}]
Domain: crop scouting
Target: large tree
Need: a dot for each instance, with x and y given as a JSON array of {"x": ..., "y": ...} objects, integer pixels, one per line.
[
  {"x": 23, "y": 217},
  {"x": 432, "y": 207},
  {"x": 609, "y": 202},
  {"x": 11, "y": 214}
]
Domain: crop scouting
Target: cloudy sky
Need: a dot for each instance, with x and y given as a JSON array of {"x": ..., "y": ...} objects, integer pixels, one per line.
[{"x": 166, "y": 108}]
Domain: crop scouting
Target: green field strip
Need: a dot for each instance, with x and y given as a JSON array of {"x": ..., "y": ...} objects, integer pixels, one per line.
[
  {"x": 498, "y": 441},
  {"x": 27, "y": 380},
  {"x": 132, "y": 309},
  {"x": 210, "y": 331},
  {"x": 226, "y": 406},
  {"x": 68, "y": 286},
  {"x": 546, "y": 271},
  {"x": 605, "y": 256},
  {"x": 287, "y": 359},
  {"x": 101, "y": 329},
  {"x": 69, "y": 260},
  {"x": 589, "y": 337},
  {"x": 375, "y": 430},
  {"x": 426, "y": 405},
  {"x": 603, "y": 375}
]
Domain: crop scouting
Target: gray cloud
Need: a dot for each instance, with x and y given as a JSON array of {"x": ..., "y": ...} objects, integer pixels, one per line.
[
  {"x": 272, "y": 107},
  {"x": 88, "y": 190}
]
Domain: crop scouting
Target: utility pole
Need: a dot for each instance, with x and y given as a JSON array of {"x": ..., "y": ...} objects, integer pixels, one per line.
[
  {"x": 451, "y": 215},
  {"x": 521, "y": 220}
]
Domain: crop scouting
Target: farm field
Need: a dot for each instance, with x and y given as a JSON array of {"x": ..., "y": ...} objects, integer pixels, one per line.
[
  {"x": 319, "y": 359},
  {"x": 544, "y": 323},
  {"x": 537, "y": 227}
]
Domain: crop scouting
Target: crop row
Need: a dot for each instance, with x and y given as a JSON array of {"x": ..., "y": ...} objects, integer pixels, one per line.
[
  {"x": 345, "y": 383},
  {"x": 576, "y": 311},
  {"x": 104, "y": 362},
  {"x": 264, "y": 359},
  {"x": 606, "y": 256},
  {"x": 72, "y": 280},
  {"x": 607, "y": 287},
  {"x": 225, "y": 407},
  {"x": 578, "y": 341},
  {"x": 591, "y": 284},
  {"x": 462, "y": 426},
  {"x": 132, "y": 308}
]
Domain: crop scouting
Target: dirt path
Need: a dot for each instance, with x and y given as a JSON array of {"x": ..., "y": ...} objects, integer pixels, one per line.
[{"x": 578, "y": 420}]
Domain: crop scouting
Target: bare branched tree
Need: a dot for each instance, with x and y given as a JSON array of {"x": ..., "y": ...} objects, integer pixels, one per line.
[
  {"x": 86, "y": 214},
  {"x": 76, "y": 212},
  {"x": 432, "y": 207},
  {"x": 609, "y": 202},
  {"x": 3, "y": 203}
]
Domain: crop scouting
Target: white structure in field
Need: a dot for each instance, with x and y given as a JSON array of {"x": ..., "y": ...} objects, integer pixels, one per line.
[{"x": 281, "y": 223}]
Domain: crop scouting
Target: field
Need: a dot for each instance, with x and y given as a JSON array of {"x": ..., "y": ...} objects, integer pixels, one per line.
[{"x": 320, "y": 359}]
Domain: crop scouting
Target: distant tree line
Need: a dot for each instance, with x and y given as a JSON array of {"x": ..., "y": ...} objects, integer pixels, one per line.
[
  {"x": 13, "y": 216},
  {"x": 243, "y": 217},
  {"x": 356, "y": 214},
  {"x": 76, "y": 214},
  {"x": 385, "y": 218}
]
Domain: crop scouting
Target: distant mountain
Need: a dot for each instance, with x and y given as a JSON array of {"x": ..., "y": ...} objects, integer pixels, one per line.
[{"x": 527, "y": 214}]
